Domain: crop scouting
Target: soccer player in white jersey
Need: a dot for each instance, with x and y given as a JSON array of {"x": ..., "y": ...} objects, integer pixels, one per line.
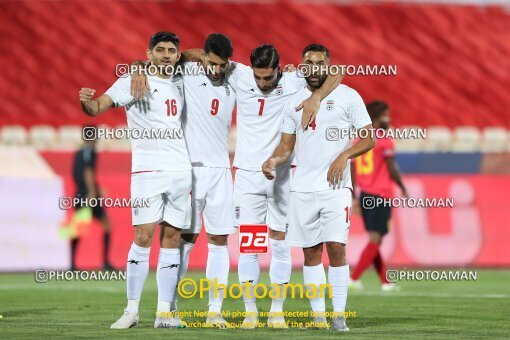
[
  {"x": 320, "y": 199},
  {"x": 207, "y": 117},
  {"x": 262, "y": 92},
  {"x": 161, "y": 174}
]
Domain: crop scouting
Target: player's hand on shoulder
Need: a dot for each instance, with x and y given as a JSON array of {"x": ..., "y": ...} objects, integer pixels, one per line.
[
  {"x": 289, "y": 68},
  {"x": 86, "y": 94},
  {"x": 310, "y": 107},
  {"x": 139, "y": 82},
  {"x": 336, "y": 170},
  {"x": 267, "y": 169}
]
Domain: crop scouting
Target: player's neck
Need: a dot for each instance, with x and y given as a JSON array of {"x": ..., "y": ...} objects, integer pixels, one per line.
[{"x": 163, "y": 75}]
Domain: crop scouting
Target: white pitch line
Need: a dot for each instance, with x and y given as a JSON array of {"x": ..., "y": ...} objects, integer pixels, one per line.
[
  {"x": 68, "y": 287},
  {"x": 43, "y": 286},
  {"x": 427, "y": 294}
]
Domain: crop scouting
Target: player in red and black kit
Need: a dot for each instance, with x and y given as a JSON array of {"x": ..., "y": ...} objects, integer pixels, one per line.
[{"x": 374, "y": 173}]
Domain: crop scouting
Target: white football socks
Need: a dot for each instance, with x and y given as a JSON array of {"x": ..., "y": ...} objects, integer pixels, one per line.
[
  {"x": 185, "y": 248},
  {"x": 167, "y": 276},
  {"x": 338, "y": 278},
  {"x": 316, "y": 276},
  {"x": 249, "y": 271},
  {"x": 137, "y": 269},
  {"x": 279, "y": 271},
  {"x": 218, "y": 265}
]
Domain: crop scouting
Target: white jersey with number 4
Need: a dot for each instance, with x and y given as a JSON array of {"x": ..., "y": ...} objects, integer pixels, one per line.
[
  {"x": 259, "y": 115},
  {"x": 159, "y": 111},
  {"x": 208, "y": 115},
  {"x": 318, "y": 146}
]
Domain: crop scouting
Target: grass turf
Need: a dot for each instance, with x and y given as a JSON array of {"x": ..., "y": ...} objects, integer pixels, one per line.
[{"x": 432, "y": 309}]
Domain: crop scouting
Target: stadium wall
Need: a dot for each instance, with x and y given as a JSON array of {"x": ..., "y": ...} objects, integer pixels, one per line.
[{"x": 475, "y": 232}]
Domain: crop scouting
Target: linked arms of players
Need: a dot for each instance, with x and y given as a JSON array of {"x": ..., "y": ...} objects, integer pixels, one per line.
[
  {"x": 336, "y": 169},
  {"x": 280, "y": 155},
  {"x": 94, "y": 107},
  {"x": 139, "y": 82},
  {"x": 311, "y": 105}
]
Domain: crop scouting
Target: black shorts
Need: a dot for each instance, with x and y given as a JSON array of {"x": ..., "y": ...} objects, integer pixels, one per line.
[
  {"x": 98, "y": 211},
  {"x": 377, "y": 218}
]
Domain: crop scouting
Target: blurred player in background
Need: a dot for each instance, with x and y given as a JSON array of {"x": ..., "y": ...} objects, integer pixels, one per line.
[
  {"x": 84, "y": 175},
  {"x": 375, "y": 172},
  {"x": 207, "y": 117},
  {"x": 320, "y": 198},
  {"x": 161, "y": 173}
]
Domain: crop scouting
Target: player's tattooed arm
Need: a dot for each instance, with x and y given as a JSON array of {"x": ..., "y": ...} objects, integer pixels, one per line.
[
  {"x": 336, "y": 169},
  {"x": 139, "y": 81},
  {"x": 395, "y": 174},
  {"x": 311, "y": 105},
  {"x": 94, "y": 107},
  {"x": 280, "y": 155}
]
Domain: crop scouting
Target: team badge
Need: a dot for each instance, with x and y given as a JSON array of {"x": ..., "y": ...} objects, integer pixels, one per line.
[
  {"x": 330, "y": 104},
  {"x": 227, "y": 90},
  {"x": 279, "y": 90},
  {"x": 238, "y": 212}
]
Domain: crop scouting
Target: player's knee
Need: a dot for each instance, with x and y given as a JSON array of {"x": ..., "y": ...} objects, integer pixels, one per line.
[
  {"x": 276, "y": 235},
  {"x": 375, "y": 238},
  {"x": 313, "y": 255},
  {"x": 336, "y": 253},
  {"x": 217, "y": 240},
  {"x": 143, "y": 239},
  {"x": 190, "y": 238}
]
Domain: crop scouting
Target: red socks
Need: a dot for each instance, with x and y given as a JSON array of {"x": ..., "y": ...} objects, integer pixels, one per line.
[
  {"x": 367, "y": 257},
  {"x": 380, "y": 267}
]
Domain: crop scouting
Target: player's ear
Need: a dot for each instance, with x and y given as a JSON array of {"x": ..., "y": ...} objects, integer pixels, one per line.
[
  {"x": 178, "y": 56},
  {"x": 149, "y": 54}
]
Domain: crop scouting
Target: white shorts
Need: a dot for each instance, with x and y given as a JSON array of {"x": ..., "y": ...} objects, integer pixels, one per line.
[
  {"x": 168, "y": 193},
  {"x": 317, "y": 217},
  {"x": 258, "y": 200},
  {"x": 212, "y": 198}
]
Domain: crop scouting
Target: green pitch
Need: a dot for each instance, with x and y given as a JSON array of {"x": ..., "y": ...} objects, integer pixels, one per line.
[{"x": 470, "y": 309}]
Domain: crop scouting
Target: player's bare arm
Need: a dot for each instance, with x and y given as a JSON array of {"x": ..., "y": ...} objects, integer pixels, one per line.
[
  {"x": 395, "y": 174},
  {"x": 311, "y": 105},
  {"x": 94, "y": 107},
  {"x": 139, "y": 81},
  {"x": 336, "y": 169},
  {"x": 280, "y": 155}
]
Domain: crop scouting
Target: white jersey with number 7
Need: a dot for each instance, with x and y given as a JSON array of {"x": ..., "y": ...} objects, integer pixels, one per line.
[{"x": 259, "y": 115}]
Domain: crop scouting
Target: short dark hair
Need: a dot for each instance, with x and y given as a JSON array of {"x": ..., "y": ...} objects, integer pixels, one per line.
[
  {"x": 265, "y": 56},
  {"x": 376, "y": 108},
  {"x": 163, "y": 36},
  {"x": 316, "y": 48},
  {"x": 219, "y": 44}
]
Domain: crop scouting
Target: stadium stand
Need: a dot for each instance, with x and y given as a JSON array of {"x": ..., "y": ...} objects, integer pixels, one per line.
[{"x": 432, "y": 86}]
